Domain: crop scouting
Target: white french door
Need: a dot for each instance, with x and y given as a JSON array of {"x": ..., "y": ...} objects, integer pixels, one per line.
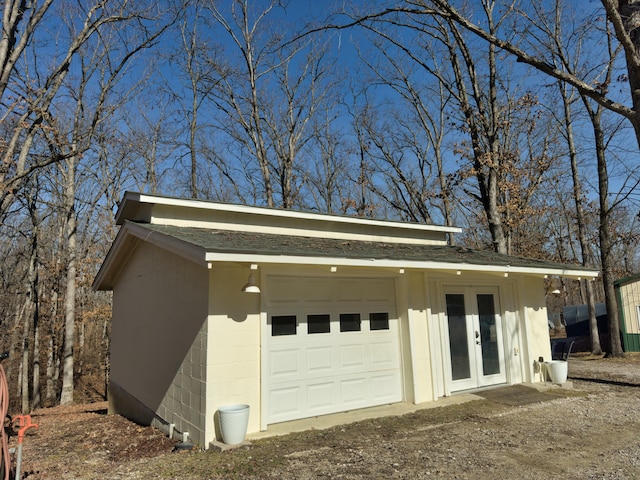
[{"x": 476, "y": 346}]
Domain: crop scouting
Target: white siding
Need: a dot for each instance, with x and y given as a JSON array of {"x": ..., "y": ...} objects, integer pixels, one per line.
[{"x": 233, "y": 356}]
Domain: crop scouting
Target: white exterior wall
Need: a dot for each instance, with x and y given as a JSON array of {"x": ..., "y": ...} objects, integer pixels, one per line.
[
  {"x": 185, "y": 369},
  {"x": 233, "y": 346},
  {"x": 157, "y": 340},
  {"x": 523, "y": 320},
  {"x": 534, "y": 324},
  {"x": 418, "y": 373}
]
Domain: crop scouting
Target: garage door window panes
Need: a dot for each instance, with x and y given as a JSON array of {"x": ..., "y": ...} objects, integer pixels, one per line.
[
  {"x": 379, "y": 321},
  {"x": 283, "y": 325},
  {"x": 349, "y": 322},
  {"x": 318, "y": 323}
]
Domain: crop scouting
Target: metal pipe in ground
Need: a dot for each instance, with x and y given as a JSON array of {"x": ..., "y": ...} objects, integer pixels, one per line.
[{"x": 24, "y": 424}]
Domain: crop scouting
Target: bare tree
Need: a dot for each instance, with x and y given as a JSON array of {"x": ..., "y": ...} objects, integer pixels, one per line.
[
  {"x": 360, "y": 200},
  {"x": 586, "y": 250},
  {"x": 30, "y": 111},
  {"x": 506, "y": 162},
  {"x": 20, "y": 19},
  {"x": 150, "y": 142},
  {"x": 325, "y": 180},
  {"x": 623, "y": 17},
  {"x": 238, "y": 93},
  {"x": 32, "y": 298},
  {"x": 410, "y": 144},
  {"x": 69, "y": 130},
  {"x": 267, "y": 93},
  {"x": 190, "y": 93},
  {"x": 304, "y": 90},
  {"x": 553, "y": 26}
]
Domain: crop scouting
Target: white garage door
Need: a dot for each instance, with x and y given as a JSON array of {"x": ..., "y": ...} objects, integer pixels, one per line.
[{"x": 331, "y": 345}]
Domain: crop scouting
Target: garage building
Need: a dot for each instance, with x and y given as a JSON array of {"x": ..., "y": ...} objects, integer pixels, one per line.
[{"x": 303, "y": 314}]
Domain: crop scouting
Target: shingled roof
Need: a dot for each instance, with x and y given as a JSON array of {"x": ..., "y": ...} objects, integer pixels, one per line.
[{"x": 271, "y": 245}]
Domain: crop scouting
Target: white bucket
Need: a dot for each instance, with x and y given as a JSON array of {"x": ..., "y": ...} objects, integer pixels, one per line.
[
  {"x": 233, "y": 423},
  {"x": 558, "y": 370}
]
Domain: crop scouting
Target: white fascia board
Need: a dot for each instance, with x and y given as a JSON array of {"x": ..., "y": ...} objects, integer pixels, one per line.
[
  {"x": 109, "y": 264},
  {"x": 372, "y": 262},
  {"x": 269, "y": 212}
]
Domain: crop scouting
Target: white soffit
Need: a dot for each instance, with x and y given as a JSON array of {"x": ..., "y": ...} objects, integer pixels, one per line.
[{"x": 396, "y": 264}]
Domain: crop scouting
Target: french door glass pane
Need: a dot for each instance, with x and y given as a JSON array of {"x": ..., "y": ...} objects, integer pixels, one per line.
[
  {"x": 488, "y": 334},
  {"x": 458, "y": 344}
]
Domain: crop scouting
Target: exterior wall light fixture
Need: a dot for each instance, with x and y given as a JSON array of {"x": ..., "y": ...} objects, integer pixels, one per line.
[{"x": 251, "y": 286}]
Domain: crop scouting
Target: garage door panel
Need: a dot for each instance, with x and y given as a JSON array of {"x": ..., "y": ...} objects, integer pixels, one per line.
[
  {"x": 353, "y": 392},
  {"x": 285, "y": 402},
  {"x": 378, "y": 291},
  {"x": 285, "y": 290},
  {"x": 320, "y": 360},
  {"x": 349, "y": 290},
  {"x": 318, "y": 291},
  {"x": 384, "y": 355},
  {"x": 321, "y": 396},
  {"x": 285, "y": 363},
  {"x": 352, "y": 356},
  {"x": 386, "y": 386}
]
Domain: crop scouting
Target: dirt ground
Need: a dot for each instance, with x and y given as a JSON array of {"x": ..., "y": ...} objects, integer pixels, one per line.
[{"x": 590, "y": 432}]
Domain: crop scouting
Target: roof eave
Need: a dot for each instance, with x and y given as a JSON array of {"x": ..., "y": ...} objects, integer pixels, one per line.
[
  {"x": 127, "y": 240},
  {"x": 503, "y": 270}
]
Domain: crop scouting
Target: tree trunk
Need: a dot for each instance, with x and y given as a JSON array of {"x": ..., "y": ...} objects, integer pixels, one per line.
[
  {"x": 596, "y": 347},
  {"x": 106, "y": 342},
  {"x": 193, "y": 126},
  {"x": 80, "y": 350},
  {"x": 481, "y": 119},
  {"x": 66, "y": 396},
  {"x": 494, "y": 216},
  {"x": 51, "y": 391},
  {"x": 444, "y": 191},
  {"x": 24, "y": 371},
  {"x": 36, "y": 395},
  {"x": 585, "y": 247},
  {"x": 608, "y": 261},
  {"x": 606, "y": 246},
  {"x": 31, "y": 312}
]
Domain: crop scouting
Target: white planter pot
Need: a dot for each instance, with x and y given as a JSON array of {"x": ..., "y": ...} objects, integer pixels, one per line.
[
  {"x": 558, "y": 370},
  {"x": 234, "y": 420}
]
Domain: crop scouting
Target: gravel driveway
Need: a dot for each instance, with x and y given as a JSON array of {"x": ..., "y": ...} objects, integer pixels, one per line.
[{"x": 590, "y": 432}]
